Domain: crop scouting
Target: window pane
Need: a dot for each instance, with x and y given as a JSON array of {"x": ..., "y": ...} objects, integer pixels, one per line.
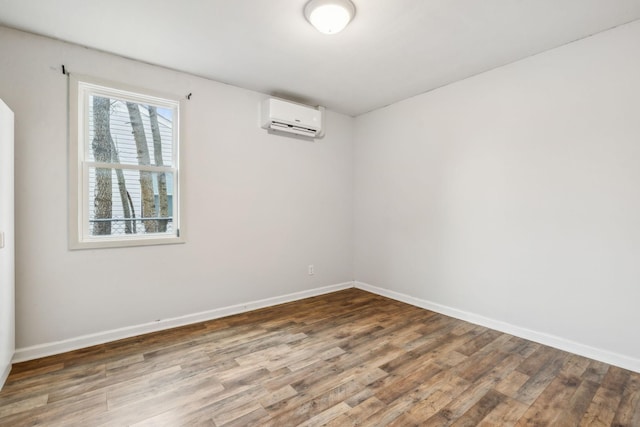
[
  {"x": 129, "y": 133},
  {"x": 128, "y": 201},
  {"x": 125, "y": 184}
]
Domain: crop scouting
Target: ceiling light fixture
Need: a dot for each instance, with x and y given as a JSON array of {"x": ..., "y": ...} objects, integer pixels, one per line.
[{"x": 329, "y": 16}]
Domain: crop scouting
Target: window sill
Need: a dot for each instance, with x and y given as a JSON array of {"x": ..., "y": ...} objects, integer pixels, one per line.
[{"x": 120, "y": 242}]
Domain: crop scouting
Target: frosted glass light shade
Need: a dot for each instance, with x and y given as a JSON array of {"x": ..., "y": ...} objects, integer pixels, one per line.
[{"x": 329, "y": 16}]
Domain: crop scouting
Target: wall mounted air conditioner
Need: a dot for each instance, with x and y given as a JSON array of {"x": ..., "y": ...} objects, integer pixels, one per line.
[{"x": 290, "y": 117}]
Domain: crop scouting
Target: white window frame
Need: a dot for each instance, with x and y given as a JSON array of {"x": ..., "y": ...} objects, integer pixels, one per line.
[{"x": 80, "y": 88}]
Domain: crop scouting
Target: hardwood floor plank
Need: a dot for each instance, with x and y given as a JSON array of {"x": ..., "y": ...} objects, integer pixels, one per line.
[
  {"x": 327, "y": 415},
  {"x": 628, "y": 412},
  {"x": 536, "y": 361},
  {"x": 277, "y": 396},
  {"x": 616, "y": 379},
  {"x": 152, "y": 404},
  {"x": 23, "y": 405},
  {"x": 25, "y": 374},
  {"x": 539, "y": 381},
  {"x": 575, "y": 366},
  {"x": 510, "y": 384},
  {"x": 551, "y": 401},
  {"x": 364, "y": 410},
  {"x": 520, "y": 346},
  {"x": 200, "y": 408},
  {"x": 433, "y": 394},
  {"x": 460, "y": 405},
  {"x": 230, "y": 414},
  {"x": 70, "y": 411},
  {"x": 505, "y": 414},
  {"x": 472, "y": 346},
  {"x": 570, "y": 413},
  {"x": 596, "y": 371},
  {"x": 401, "y": 385},
  {"x": 349, "y": 358},
  {"x": 602, "y": 408},
  {"x": 140, "y": 389},
  {"x": 389, "y": 413},
  {"x": 480, "y": 410}
]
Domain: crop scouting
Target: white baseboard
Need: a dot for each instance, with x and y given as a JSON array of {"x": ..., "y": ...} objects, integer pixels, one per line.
[
  {"x": 622, "y": 361},
  {"x": 4, "y": 375},
  {"x": 49, "y": 349}
]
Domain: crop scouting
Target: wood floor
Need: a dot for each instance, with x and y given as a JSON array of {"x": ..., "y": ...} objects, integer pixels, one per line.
[{"x": 343, "y": 359}]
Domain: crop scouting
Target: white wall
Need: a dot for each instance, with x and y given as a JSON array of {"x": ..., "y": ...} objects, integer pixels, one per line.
[
  {"x": 514, "y": 196},
  {"x": 258, "y": 208}
]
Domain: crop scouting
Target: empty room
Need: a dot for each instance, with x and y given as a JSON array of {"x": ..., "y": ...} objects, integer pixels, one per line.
[{"x": 320, "y": 212}]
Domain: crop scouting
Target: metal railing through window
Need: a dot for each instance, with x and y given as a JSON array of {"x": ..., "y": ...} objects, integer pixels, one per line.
[{"x": 123, "y": 226}]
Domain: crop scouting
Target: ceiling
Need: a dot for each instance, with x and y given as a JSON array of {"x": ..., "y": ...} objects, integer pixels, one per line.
[{"x": 392, "y": 50}]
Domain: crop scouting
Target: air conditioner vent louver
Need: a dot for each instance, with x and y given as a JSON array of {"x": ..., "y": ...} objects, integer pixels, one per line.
[
  {"x": 284, "y": 116},
  {"x": 298, "y": 130}
]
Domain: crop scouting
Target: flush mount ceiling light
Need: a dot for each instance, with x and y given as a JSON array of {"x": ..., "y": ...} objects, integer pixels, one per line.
[{"x": 329, "y": 16}]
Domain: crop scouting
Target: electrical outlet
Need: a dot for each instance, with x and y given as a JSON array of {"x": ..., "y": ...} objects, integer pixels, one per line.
[{"x": 311, "y": 272}]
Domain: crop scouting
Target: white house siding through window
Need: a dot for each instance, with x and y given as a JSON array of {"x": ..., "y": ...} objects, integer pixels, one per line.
[{"x": 124, "y": 147}]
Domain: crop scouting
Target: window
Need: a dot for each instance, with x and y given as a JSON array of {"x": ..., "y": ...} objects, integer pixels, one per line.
[{"x": 124, "y": 166}]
